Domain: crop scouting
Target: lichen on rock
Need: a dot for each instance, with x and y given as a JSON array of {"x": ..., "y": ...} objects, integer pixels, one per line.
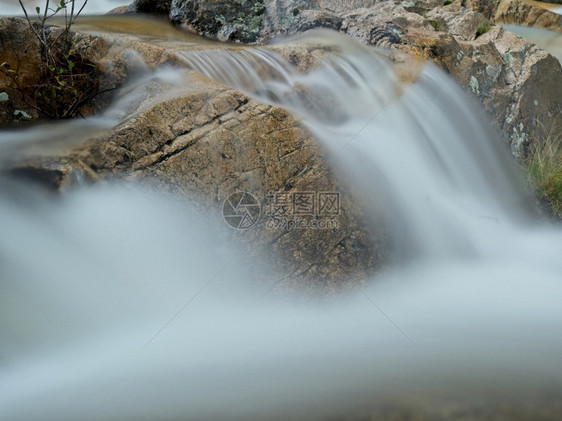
[{"x": 240, "y": 20}]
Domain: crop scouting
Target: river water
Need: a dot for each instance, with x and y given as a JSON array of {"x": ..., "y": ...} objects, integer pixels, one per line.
[{"x": 117, "y": 303}]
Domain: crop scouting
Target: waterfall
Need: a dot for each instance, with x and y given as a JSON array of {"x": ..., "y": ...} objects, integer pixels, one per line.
[
  {"x": 418, "y": 145},
  {"x": 121, "y": 304}
]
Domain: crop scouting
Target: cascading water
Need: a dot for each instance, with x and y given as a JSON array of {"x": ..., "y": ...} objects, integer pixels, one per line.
[
  {"x": 94, "y": 287},
  {"x": 446, "y": 181}
]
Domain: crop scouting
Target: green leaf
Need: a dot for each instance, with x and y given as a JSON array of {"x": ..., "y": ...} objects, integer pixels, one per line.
[
  {"x": 38, "y": 10},
  {"x": 70, "y": 65}
]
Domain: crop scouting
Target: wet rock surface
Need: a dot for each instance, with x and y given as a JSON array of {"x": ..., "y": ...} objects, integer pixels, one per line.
[
  {"x": 518, "y": 84},
  {"x": 208, "y": 141}
]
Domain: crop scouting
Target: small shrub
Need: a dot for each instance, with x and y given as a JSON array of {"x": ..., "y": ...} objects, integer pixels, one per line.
[
  {"x": 543, "y": 165},
  {"x": 447, "y": 2},
  {"x": 482, "y": 29},
  {"x": 66, "y": 80}
]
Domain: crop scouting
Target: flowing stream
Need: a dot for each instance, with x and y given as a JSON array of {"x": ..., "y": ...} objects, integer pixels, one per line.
[
  {"x": 118, "y": 304},
  {"x": 436, "y": 165}
]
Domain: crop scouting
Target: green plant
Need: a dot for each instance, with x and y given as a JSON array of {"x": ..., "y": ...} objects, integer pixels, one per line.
[
  {"x": 543, "y": 165},
  {"x": 438, "y": 25},
  {"x": 66, "y": 80},
  {"x": 482, "y": 29},
  {"x": 63, "y": 42},
  {"x": 447, "y": 2}
]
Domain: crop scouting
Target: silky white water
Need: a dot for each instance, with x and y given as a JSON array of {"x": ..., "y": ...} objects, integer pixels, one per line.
[
  {"x": 415, "y": 145},
  {"x": 117, "y": 303}
]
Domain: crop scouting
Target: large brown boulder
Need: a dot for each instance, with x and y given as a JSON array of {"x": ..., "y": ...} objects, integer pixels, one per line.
[{"x": 207, "y": 141}]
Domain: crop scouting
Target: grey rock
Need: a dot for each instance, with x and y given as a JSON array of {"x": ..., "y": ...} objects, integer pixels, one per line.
[
  {"x": 158, "y": 7},
  {"x": 237, "y": 20}
]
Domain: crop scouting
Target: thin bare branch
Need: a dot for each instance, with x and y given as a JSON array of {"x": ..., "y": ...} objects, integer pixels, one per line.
[
  {"x": 82, "y": 8},
  {"x": 29, "y": 21},
  {"x": 65, "y": 85}
]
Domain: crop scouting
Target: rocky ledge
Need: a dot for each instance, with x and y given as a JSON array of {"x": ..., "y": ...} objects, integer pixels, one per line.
[
  {"x": 207, "y": 141},
  {"x": 518, "y": 84}
]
